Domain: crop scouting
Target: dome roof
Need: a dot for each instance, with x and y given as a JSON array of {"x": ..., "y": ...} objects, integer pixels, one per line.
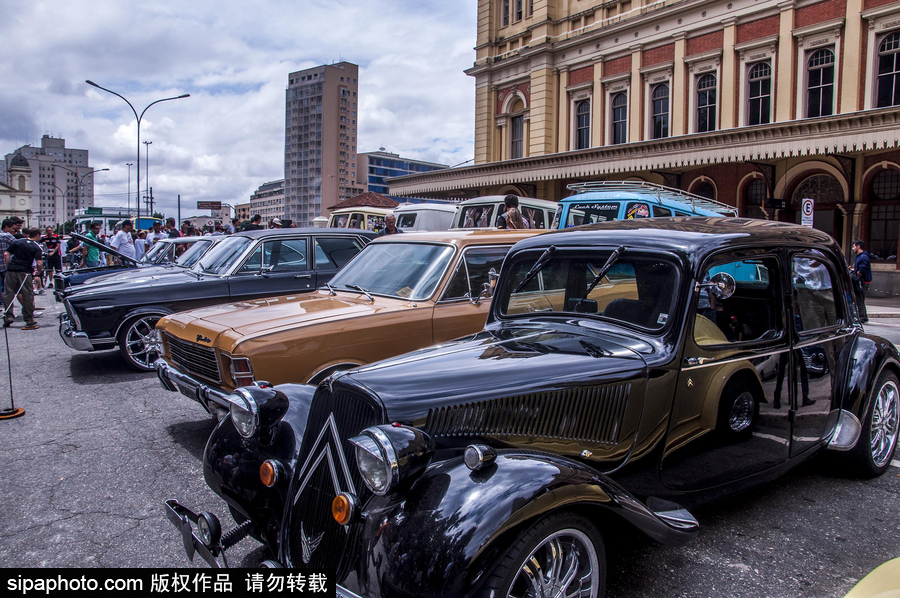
[{"x": 19, "y": 161}]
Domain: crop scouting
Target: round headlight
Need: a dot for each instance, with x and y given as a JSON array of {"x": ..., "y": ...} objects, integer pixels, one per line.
[
  {"x": 376, "y": 460},
  {"x": 244, "y": 413}
]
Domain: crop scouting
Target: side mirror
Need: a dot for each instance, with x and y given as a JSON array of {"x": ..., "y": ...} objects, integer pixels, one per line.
[
  {"x": 721, "y": 285},
  {"x": 264, "y": 271},
  {"x": 487, "y": 288}
]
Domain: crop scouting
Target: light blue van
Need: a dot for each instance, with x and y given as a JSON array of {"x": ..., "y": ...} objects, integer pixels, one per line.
[{"x": 624, "y": 200}]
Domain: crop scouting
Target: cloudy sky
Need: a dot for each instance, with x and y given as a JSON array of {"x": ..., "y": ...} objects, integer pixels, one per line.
[{"x": 234, "y": 59}]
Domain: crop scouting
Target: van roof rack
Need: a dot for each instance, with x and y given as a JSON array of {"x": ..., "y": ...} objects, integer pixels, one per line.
[{"x": 660, "y": 191}]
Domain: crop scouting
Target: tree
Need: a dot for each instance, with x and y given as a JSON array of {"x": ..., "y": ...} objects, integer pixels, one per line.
[{"x": 158, "y": 215}]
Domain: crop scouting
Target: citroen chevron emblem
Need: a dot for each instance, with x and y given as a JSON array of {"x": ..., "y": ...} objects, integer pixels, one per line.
[{"x": 308, "y": 546}]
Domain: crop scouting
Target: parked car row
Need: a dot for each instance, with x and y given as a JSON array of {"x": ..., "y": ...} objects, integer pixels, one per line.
[{"x": 467, "y": 413}]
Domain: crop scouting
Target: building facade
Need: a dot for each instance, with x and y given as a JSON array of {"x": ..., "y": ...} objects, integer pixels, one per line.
[
  {"x": 756, "y": 103},
  {"x": 242, "y": 211},
  {"x": 320, "y": 140},
  {"x": 62, "y": 180},
  {"x": 16, "y": 196},
  {"x": 375, "y": 167},
  {"x": 268, "y": 200}
]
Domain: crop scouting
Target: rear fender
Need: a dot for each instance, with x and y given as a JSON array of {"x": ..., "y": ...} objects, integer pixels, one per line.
[
  {"x": 871, "y": 355},
  {"x": 447, "y": 531}
]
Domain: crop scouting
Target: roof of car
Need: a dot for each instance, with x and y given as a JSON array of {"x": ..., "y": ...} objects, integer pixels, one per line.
[
  {"x": 462, "y": 236},
  {"x": 690, "y": 235},
  {"x": 255, "y": 234}
]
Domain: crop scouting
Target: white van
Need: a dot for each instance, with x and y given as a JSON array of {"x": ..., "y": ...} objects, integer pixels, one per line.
[
  {"x": 361, "y": 217},
  {"x": 424, "y": 216},
  {"x": 485, "y": 211}
]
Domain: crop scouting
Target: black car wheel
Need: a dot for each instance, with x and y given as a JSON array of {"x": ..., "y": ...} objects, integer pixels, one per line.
[
  {"x": 738, "y": 410},
  {"x": 561, "y": 555},
  {"x": 872, "y": 455},
  {"x": 139, "y": 342}
]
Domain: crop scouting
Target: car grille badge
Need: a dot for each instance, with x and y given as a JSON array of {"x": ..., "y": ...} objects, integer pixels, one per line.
[
  {"x": 203, "y": 339},
  {"x": 308, "y": 545}
]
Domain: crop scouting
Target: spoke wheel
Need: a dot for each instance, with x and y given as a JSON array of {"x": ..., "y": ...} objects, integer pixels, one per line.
[
  {"x": 139, "y": 342},
  {"x": 742, "y": 411},
  {"x": 561, "y": 556},
  {"x": 873, "y": 452}
]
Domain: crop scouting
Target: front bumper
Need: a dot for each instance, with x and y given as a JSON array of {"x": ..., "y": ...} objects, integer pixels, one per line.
[
  {"x": 78, "y": 340},
  {"x": 212, "y": 399}
]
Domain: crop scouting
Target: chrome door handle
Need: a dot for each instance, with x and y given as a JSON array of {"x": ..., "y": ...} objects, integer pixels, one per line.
[
  {"x": 697, "y": 360},
  {"x": 302, "y": 275}
]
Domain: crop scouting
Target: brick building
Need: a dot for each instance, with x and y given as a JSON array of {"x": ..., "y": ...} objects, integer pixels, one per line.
[{"x": 757, "y": 103}]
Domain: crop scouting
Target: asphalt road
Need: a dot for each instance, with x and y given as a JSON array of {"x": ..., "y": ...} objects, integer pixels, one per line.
[{"x": 84, "y": 474}]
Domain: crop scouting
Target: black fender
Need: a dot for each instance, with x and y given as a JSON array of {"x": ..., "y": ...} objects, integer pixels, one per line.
[
  {"x": 231, "y": 463},
  {"x": 447, "y": 531},
  {"x": 871, "y": 355},
  {"x": 149, "y": 310}
]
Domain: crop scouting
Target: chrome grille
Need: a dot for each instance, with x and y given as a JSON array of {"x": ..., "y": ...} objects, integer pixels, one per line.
[
  {"x": 590, "y": 414},
  {"x": 58, "y": 283},
  {"x": 194, "y": 359},
  {"x": 310, "y": 514}
]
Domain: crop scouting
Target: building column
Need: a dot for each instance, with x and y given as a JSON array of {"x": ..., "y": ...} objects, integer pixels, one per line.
[
  {"x": 562, "y": 125},
  {"x": 728, "y": 83},
  {"x": 679, "y": 87},
  {"x": 542, "y": 110},
  {"x": 598, "y": 109},
  {"x": 852, "y": 45},
  {"x": 784, "y": 97},
  {"x": 485, "y": 108},
  {"x": 635, "y": 97}
]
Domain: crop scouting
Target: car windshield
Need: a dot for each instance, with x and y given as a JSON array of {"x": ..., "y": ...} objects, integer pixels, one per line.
[
  {"x": 404, "y": 270},
  {"x": 224, "y": 255},
  {"x": 192, "y": 253},
  {"x": 591, "y": 213},
  {"x": 157, "y": 253},
  {"x": 638, "y": 289}
]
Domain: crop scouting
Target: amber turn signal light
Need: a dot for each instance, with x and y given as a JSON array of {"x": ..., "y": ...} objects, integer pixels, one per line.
[
  {"x": 343, "y": 507},
  {"x": 268, "y": 473}
]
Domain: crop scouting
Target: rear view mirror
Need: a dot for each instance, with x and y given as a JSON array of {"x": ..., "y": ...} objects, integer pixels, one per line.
[{"x": 721, "y": 285}]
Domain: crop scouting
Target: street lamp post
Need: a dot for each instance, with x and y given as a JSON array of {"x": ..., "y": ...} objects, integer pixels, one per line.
[
  {"x": 147, "y": 170},
  {"x": 138, "y": 119},
  {"x": 129, "y": 165},
  {"x": 80, "y": 183}
]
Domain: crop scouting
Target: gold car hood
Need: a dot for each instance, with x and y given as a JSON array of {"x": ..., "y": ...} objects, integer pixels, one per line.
[{"x": 249, "y": 318}]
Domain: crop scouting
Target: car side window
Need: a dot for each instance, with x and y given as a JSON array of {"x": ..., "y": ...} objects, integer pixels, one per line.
[
  {"x": 473, "y": 270},
  {"x": 751, "y": 313},
  {"x": 334, "y": 252},
  {"x": 254, "y": 263},
  {"x": 636, "y": 210},
  {"x": 661, "y": 212},
  {"x": 815, "y": 303},
  {"x": 406, "y": 221},
  {"x": 288, "y": 255}
]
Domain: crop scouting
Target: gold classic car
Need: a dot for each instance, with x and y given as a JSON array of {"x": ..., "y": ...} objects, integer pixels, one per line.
[{"x": 401, "y": 293}]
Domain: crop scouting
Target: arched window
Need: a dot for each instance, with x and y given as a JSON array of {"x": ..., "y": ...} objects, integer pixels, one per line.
[
  {"x": 705, "y": 189},
  {"x": 885, "y": 213},
  {"x": 583, "y": 124},
  {"x": 516, "y": 136},
  {"x": 706, "y": 103},
  {"x": 619, "y": 118},
  {"x": 889, "y": 71},
  {"x": 886, "y": 185},
  {"x": 755, "y": 193},
  {"x": 760, "y": 79},
  {"x": 660, "y": 117},
  {"x": 820, "y": 86},
  {"x": 21, "y": 183}
]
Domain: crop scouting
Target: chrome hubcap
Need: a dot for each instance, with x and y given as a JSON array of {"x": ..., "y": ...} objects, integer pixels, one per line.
[
  {"x": 741, "y": 412},
  {"x": 564, "y": 565},
  {"x": 883, "y": 428},
  {"x": 142, "y": 341}
]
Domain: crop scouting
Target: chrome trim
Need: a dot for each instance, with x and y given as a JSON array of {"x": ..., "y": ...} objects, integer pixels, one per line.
[
  {"x": 390, "y": 455},
  {"x": 210, "y": 397},
  {"x": 100, "y": 308},
  {"x": 819, "y": 340},
  {"x": 80, "y": 340},
  {"x": 248, "y": 404},
  {"x": 342, "y": 592},
  {"x": 847, "y": 430},
  {"x": 711, "y": 361}
]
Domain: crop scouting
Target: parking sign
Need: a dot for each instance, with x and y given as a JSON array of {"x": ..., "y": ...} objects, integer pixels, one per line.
[{"x": 808, "y": 207}]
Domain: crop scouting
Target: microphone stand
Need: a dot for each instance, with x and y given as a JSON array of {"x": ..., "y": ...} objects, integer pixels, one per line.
[{"x": 12, "y": 411}]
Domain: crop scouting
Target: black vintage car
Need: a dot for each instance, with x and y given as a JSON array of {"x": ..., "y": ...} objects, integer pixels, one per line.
[
  {"x": 245, "y": 265},
  {"x": 182, "y": 252},
  {"x": 628, "y": 371}
]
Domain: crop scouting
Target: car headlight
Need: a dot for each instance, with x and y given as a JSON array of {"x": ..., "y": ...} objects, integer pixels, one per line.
[
  {"x": 257, "y": 410},
  {"x": 390, "y": 455},
  {"x": 244, "y": 413}
]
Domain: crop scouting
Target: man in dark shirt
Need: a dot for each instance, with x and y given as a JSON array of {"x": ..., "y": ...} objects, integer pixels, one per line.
[
  {"x": 6, "y": 239},
  {"x": 390, "y": 226},
  {"x": 170, "y": 228},
  {"x": 254, "y": 223},
  {"x": 21, "y": 258},
  {"x": 861, "y": 272},
  {"x": 54, "y": 251}
]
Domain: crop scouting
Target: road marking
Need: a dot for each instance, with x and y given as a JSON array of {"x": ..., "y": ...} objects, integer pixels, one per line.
[
  {"x": 896, "y": 463},
  {"x": 772, "y": 437}
]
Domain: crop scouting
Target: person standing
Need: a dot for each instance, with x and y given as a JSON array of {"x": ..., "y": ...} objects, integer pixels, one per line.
[
  {"x": 233, "y": 227},
  {"x": 6, "y": 239},
  {"x": 140, "y": 245},
  {"x": 514, "y": 219},
  {"x": 255, "y": 223},
  {"x": 122, "y": 241},
  {"x": 54, "y": 251},
  {"x": 510, "y": 202},
  {"x": 861, "y": 273},
  {"x": 156, "y": 234},
  {"x": 73, "y": 252},
  {"x": 390, "y": 226},
  {"x": 91, "y": 253},
  {"x": 21, "y": 258},
  {"x": 171, "y": 230}
]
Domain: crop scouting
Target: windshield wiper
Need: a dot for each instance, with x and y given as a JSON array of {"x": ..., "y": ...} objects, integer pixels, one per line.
[
  {"x": 361, "y": 290},
  {"x": 331, "y": 289},
  {"x": 540, "y": 263},
  {"x": 613, "y": 258}
]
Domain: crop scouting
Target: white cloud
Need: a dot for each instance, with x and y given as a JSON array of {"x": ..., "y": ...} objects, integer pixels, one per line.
[{"x": 233, "y": 58}]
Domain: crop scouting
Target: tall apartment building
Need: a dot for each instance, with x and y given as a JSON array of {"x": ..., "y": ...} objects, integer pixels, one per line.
[
  {"x": 61, "y": 178},
  {"x": 320, "y": 140},
  {"x": 268, "y": 200},
  {"x": 757, "y": 103},
  {"x": 375, "y": 167}
]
